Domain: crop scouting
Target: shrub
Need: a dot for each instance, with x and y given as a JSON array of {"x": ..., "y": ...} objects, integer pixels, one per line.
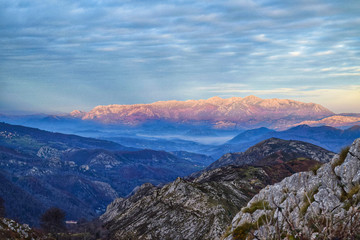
[
  {"x": 342, "y": 155},
  {"x": 242, "y": 231},
  {"x": 263, "y": 205},
  {"x": 315, "y": 168},
  {"x": 349, "y": 198},
  {"x": 308, "y": 199}
]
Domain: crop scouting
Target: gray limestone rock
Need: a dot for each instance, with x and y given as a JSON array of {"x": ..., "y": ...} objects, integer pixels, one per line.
[{"x": 323, "y": 204}]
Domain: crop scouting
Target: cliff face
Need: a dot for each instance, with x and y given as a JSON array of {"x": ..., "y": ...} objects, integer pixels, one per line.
[{"x": 322, "y": 204}]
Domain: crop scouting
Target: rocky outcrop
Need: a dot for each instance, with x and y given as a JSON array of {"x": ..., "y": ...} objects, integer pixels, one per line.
[
  {"x": 9, "y": 229},
  {"x": 47, "y": 152},
  {"x": 199, "y": 208},
  {"x": 320, "y": 204}
]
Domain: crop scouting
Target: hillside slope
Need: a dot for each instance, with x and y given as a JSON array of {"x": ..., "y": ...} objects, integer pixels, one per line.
[
  {"x": 79, "y": 175},
  {"x": 30, "y": 140}
]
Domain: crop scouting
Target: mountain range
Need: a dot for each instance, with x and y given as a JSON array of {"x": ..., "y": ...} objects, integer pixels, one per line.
[
  {"x": 236, "y": 112},
  {"x": 218, "y": 113},
  {"x": 330, "y": 138},
  {"x": 197, "y": 125},
  {"x": 213, "y": 117}
]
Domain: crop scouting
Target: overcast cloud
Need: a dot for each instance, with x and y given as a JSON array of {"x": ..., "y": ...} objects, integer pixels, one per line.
[{"x": 61, "y": 55}]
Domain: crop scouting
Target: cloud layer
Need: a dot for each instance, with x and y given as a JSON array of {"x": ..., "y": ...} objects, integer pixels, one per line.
[{"x": 59, "y": 55}]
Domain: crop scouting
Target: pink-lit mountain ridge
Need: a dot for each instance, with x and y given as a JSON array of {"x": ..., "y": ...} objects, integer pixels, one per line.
[{"x": 235, "y": 112}]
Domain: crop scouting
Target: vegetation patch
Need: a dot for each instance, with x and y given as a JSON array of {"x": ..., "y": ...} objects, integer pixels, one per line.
[
  {"x": 285, "y": 190},
  {"x": 342, "y": 155},
  {"x": 308, "y": 199},
  {"x": 242, "y": 231},
  {"x": 227, "y": 232},
  {"x": 315, "y": 168},
  {"x": 354, "y": 190},
  {"x": 252, "y": 172},
  {"x": 349, "y": 199},
  {"x": 262, "y": 220},
  {"x": 263, "y": 205}
]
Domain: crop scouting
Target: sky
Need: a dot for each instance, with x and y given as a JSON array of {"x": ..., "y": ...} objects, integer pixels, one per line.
[{"x": 61, "y": 55}]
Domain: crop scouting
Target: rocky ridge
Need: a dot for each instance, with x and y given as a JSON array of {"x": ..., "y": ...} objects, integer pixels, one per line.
[
  {"x": 198, "y": 208},
  {"x": 189, "y": 209},
  {"x": 320, "y": 204}
]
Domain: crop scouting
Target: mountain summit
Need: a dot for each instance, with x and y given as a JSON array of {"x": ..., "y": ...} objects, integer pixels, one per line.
[{"x": 235, "y": 112}]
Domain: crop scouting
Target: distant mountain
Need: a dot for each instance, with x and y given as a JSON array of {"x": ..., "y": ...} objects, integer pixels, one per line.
[
  {"x": 236, "y": 112},
  {"x": 194, "y": 157},
  {"x": 213, "y": 117},
  {"x": 171, "y": 145},
  {"x": 271, "y": 151},
  {"x": 32, "y": 139},
  {"x": 324, "y": 136},
  {"x": 251, "y": 135},
  {"x": 79, "y": 175},
  {"x": 201, "y": 207},
  {"x": 334, "y": 121}
]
